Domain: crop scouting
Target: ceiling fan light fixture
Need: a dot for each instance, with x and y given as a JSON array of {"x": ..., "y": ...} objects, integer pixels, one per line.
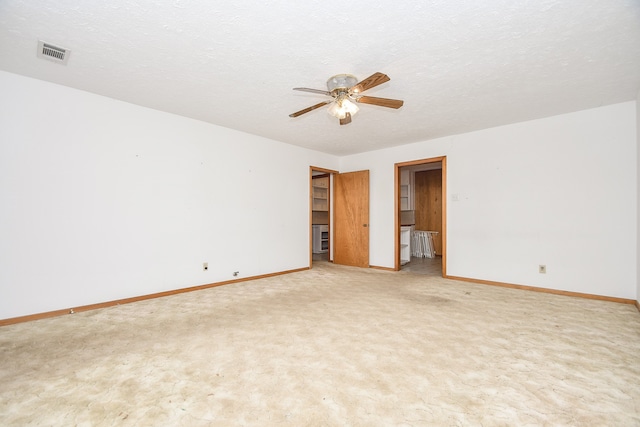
[
  {"x": 345, "y": 91},
  {"x": 342, "y": 106}
]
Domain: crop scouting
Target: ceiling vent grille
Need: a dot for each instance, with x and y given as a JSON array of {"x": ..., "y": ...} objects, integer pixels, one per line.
[{"x": 53, "y": 53}]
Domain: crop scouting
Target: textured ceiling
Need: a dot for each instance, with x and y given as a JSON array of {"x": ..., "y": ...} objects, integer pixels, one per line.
[{"x": 458, "y": 65}]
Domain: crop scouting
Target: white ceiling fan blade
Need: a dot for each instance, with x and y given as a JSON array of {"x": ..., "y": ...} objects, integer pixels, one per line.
[{"x": 306, "y": 89}]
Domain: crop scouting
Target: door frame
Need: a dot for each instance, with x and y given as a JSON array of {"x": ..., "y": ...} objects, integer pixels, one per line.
[
  {"x": 397, "y": 224},
  {"x": 330, "y": 172}
]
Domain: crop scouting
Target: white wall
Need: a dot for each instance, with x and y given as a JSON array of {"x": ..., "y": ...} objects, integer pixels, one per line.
[
  {"x": 638, "y": 190},
  {"x": 560, "y": 191},
  {"x": 102, "y": 200}
]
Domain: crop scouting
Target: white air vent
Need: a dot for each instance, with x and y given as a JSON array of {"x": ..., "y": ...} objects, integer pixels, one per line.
[{"x": 53, "y": 53}]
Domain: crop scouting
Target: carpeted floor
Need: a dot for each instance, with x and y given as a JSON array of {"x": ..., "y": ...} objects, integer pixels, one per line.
[{"x": 332, "y": 346}]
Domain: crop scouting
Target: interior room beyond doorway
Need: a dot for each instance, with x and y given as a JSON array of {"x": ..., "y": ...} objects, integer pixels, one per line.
[
  {"x": 421, "y": 217},
  {"x": 320, "y": 215}
]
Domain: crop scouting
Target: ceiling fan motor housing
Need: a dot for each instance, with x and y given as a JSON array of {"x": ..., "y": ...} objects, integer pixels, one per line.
[{"x": 341, "y": 82}]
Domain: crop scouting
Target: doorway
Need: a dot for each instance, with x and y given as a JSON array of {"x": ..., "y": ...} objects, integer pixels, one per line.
[
  {"x": 321, "y": 213},
  {"x": 339, "y": 217},
  {"x": 420, "y": 216}
]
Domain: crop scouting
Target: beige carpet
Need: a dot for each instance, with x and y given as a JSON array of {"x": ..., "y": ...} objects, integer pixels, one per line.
[{"x": 333, "y": 346}]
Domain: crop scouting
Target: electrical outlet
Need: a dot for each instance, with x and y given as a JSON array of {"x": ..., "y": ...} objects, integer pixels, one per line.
[
  {"x": 205, "y": 266},
  {"x": 235, "y": 273},
  {"x": 542, "y": 269}
]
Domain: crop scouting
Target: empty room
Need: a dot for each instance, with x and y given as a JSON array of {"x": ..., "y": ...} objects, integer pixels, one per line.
[{"x": 319, "y": 213}]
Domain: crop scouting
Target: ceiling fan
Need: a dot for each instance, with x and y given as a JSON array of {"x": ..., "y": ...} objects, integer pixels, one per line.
[{"x": 345, "y": 91}]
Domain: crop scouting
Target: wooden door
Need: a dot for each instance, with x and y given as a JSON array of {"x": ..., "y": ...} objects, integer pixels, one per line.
[
  {"x": 428, "y": 204},
  {"x": 351, "y": 220}
]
